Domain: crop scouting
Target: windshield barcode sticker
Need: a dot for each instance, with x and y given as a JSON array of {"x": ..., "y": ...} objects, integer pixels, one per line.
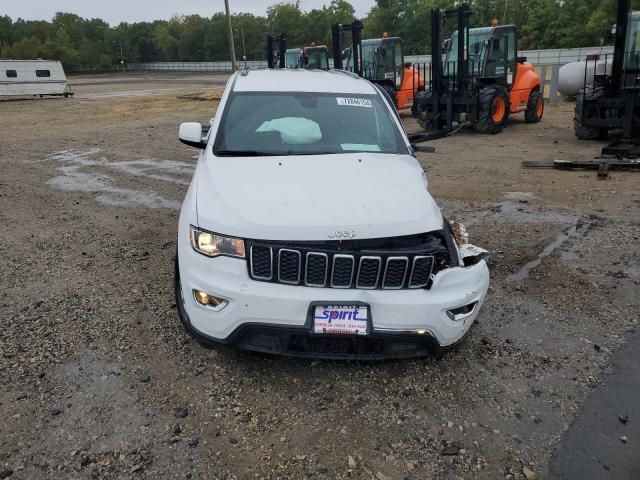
[{"x": 354, "y": 102}]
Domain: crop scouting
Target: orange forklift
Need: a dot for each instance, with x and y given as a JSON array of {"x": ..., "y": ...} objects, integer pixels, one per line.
[
  {"x": 480, "y": 81},
  {"x": 379, "y": 60}
]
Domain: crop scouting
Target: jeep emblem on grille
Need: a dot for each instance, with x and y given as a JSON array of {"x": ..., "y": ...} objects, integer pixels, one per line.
[{"x": 342, "y": 234}]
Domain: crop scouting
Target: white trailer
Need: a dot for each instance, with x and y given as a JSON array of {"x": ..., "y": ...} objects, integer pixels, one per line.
[{"x": 32, "y": 77}]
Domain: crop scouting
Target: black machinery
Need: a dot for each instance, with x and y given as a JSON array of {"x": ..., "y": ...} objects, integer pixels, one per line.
[
  {"x": 276, "y": 50},
  {"x": 611, "y": 102},
  {"x": 352, "y": 51},
  {"x": 480, "y": 81}
]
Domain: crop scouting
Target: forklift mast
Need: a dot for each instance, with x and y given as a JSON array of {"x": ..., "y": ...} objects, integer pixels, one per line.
[
  {"x": 438, "y": 82},
  {"x": 355, "y": 28},
  {"x": 622, "y": 24},
  {"x": 276, "y": 50}
]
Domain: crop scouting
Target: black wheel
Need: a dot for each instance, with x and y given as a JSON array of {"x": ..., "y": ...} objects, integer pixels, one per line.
[
  {"x": 420, "y": 109},
  {"x": 584, "y": 132},
  {"x": 535, "y": 107},
  {"x": 177, "y": 287},
  {"x": 493, "y": 104}
]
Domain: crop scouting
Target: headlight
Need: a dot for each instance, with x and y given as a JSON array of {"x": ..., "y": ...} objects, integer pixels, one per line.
[{"x": 212, "y": 244}]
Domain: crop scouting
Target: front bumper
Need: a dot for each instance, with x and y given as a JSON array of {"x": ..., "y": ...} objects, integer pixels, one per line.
[{"x": 275, "y": 318}]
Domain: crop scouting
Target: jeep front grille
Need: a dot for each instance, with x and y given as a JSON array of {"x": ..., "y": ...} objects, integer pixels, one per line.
[{"x": 313, "y": 266}]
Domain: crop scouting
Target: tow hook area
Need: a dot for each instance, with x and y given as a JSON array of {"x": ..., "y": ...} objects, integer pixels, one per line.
[
  {"x": 469, "y": 254},
  {"x": 472, "y": 254}
]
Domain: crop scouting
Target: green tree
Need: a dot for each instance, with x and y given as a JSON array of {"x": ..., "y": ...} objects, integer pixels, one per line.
[
  {"x": 27, "y": 48},
  {"x": 287, "y": 18}
]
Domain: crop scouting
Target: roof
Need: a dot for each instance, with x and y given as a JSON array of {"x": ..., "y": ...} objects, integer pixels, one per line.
[
  {"x": 294, "y": 80},
  {"x": 39, "y": 60},
  {"x": 379, "y": 41}
]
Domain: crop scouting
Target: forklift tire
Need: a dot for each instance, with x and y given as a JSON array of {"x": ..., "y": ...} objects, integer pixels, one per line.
[
  {"x": 493, "y": 109},
  {"x": 583, "y": 132},
  {"x": 422, "y": 114},
  {"x": 535, "y": 107}
]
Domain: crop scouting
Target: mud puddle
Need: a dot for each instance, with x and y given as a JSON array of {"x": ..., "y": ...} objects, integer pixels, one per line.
[
  {"x": 579, "y": 228},
  {"x": 79, "y": 173}
]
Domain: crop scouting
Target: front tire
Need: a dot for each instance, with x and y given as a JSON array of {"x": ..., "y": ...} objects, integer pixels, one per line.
[
  {"x": 493, "y": 109},
  {"x": 179, "y": 296},
  {"x": 584, "y": 132},
  {"x": 535, "y": 107},
  {"x": 422, "y": 102}
]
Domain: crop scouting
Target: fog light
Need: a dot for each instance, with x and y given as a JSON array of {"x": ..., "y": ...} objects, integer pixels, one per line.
[
  {"x": 210, "y": 301},
  {"x": 461, "y": 313},
  {"x": 421, "y": 332}
]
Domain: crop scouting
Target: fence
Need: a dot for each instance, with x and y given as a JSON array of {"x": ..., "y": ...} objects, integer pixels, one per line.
[
  {"x": 558, "y": 56},
  {"x": 547, "y": 63},
  {"x": 222, "y": 66}
]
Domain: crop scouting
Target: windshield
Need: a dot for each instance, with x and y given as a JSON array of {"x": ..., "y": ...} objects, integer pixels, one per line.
[
  {"x": 292, "y": 58},
  {"x": 476, "y": 51},
  {"x": 381, "y": 60},
  {"x": 317, "y": 59},
  {"x": 633, "y": 43},
  {"x": 255, "y": 123}
]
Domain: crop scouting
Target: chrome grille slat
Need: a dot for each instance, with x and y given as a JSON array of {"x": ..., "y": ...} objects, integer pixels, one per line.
[
  {"x": 390, "y": 280},
  {"x": 423, "y": 277},
  {"x": 254, "y": 267},
  {"x": 342, "y": 258},
  {"x": 362, "y": 282},
  {"x": 306, "y": 266},
  {"x": 309, "y": 258},
  {"x": 289, "y": 272}
]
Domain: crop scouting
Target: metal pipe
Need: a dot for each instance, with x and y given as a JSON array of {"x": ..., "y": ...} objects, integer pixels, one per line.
[
  {"x": 282, "y": 50},
  {"x": 336, "y": 46},
  {"x": 356, "y": 39},
  {"x": 617, "y": 72},
  {"x": 436, "y": 60},
  {"x": 232, "y": 47}
]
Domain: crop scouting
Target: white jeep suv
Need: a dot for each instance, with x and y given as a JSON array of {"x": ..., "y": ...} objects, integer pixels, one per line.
[{"x": 308, "y": 228}]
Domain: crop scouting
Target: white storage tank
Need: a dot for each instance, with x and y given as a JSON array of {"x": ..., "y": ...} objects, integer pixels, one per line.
[{"x": 573, "y": 76}]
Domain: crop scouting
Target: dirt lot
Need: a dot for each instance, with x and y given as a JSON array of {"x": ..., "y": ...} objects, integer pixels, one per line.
[{"x": 98, "y": 379}]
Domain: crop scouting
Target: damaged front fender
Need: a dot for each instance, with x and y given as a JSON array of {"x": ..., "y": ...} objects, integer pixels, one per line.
[
  {"x": 467, "y": 253},
  {"x": 472, "y": 254}
]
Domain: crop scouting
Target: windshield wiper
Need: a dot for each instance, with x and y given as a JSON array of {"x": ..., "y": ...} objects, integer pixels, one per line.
[{"x": 244, "y": 153}]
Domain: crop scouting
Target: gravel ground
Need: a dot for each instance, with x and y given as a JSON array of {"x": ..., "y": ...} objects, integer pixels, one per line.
[{"x": 98, "y": 379}]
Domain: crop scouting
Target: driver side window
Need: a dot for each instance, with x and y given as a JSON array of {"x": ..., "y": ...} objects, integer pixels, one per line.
[{"x": 501, "y": 61}]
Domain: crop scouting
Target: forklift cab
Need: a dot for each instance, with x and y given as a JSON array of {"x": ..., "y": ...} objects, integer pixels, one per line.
[
  {"x": 382, "y": 60},
  {"x": 315, "y": 57},
  {"x": 308, "y": 58},
  {"x": 491, "y": 54},
  {"x": 632, "y": 49},
  {"x": 293, "y": 58}
]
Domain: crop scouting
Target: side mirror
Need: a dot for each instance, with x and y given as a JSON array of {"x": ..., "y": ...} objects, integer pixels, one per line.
[{"x": 190, "y": 133}]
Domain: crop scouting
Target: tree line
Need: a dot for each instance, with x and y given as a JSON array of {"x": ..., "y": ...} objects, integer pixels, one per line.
[{"x": 92, "y": 44}]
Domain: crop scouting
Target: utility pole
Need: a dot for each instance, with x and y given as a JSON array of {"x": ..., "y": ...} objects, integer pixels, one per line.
[
  {"x": 232, "y": 48},
  {"x": 244, "y": 49},
  {"x": 121, "y": 54}
]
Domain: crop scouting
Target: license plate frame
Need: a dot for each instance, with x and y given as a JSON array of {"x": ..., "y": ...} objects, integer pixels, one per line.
[{"x": 322, "y": 324}]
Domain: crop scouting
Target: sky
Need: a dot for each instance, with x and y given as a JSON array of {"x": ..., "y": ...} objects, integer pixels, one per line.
[{"x": 116, "y": 11}]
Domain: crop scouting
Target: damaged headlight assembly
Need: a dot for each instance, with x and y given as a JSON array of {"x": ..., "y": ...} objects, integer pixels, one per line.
[
  {"x": 214, "y": 245},
  {"x": 469, "y": 254}
]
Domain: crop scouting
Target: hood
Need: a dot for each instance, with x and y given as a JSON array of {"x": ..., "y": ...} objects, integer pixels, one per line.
[{"x": 309, "y": 197}]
